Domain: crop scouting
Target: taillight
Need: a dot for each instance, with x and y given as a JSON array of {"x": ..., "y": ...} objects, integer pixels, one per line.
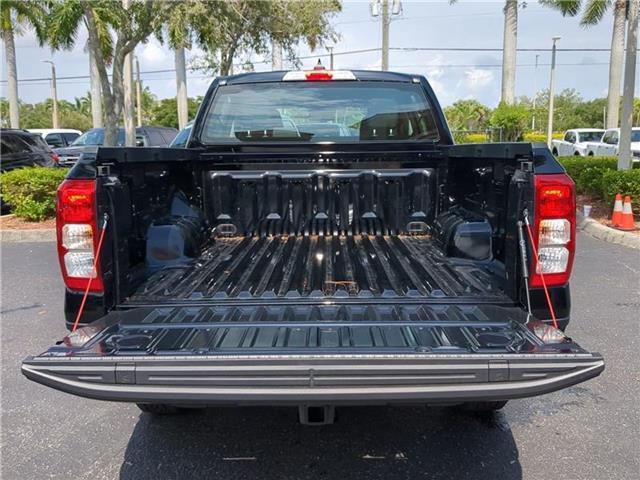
[
  {"x": 317, "y": 75},
  {"x": 555, "y": 229},
  {"x": 77, "y": 234},
  {"x": 55, "y": 158}
]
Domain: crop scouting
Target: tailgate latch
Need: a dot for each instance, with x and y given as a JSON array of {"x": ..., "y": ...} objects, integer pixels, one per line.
[{"x": 126, "y": 373}]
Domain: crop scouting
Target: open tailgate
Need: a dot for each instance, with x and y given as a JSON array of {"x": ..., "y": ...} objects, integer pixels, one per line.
[{"x": 347, "y": 354}]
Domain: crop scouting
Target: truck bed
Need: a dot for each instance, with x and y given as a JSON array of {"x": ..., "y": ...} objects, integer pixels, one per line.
[{"x": 316, "y": 267}]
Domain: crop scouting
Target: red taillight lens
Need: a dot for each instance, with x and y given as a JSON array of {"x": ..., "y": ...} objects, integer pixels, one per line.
[
  {"x": 319, "y": 75},
  {"x": 555, "y": 229},
  {"x": 77, "y": 234},
  {"x": 55, "y": 158}
]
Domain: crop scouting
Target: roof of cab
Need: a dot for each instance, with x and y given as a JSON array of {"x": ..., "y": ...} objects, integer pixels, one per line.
[{"x": 362, "y": 75}]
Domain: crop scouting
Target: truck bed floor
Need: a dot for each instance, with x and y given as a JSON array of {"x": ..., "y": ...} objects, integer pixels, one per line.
[{"x": 319, "y": 267}]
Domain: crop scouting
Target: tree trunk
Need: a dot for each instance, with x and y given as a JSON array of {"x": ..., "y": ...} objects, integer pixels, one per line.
[
  {"x": 276, "y": 55},
  {"x": 615, "y": 64},
  {"x": 226, "y": 62},
  {"x": 96, "y": 95},
  {"x": 111, "y": 116},
  {"x": 624, "y": 149},
  {"x": 128, "y": 109},
  {"x": 510, "y": 44},
  {"x": 181, "y": 88},
  {"x": 12, "y": 78}
]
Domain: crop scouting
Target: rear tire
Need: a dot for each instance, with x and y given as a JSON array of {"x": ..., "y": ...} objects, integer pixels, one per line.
[
  {"x": 482, "y": 407},
  {"x": 159, "y": 409}
]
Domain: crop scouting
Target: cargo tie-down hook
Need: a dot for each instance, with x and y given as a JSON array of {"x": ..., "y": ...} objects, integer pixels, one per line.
[{"x": 94, "y": 271}]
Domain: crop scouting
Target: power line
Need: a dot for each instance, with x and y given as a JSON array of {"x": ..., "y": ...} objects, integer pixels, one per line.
[
  {"x": 480, "y": 49},
  {"x": 70, "y": 80},
  {"x": 351, "y": 52}
]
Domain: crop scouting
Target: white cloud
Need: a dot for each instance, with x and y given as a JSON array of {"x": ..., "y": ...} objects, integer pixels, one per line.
[
  {"x": 477, "y": 79},
  {"x": 153, "y": 53}
]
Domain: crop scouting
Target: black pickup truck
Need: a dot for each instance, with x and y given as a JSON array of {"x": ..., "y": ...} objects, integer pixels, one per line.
[{"x": 321, "y": 241}]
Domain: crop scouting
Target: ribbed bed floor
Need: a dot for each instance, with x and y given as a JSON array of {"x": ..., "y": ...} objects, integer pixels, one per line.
[{"x": 320, "y": 266}]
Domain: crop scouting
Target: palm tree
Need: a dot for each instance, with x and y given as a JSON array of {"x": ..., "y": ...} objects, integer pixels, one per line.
[
  {"x": 509, "y": 50},
  {"x": 114, "y": 32},
  {"x": 594, "y": 12},
  {"x": 13, "y": 15}
]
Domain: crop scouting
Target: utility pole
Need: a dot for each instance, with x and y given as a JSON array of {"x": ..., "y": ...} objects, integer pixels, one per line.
[
  {"x": 535, "y": 94},
  {"x": 330, "y": 57},
  {"x": 138, "y": 94},
  {"x": 181, "y": 87},
  {"x": 626, "y": 122},
  {"x": 276, "y": 55},
  {"x": 380, "y": 8},
  {"x": 129, "y": 126},
  {"x": 385, "y": 35},
  {"x": 54, "y": 94},
  {"x": 96, "y": 92},
  {"x": 552, "y": 81}
]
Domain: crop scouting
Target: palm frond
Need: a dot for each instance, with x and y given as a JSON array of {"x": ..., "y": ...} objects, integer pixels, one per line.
[
  {"x": 63, "y": 23},
  {"x": 594, "y": 11},
  {"x": 568, "y": 8}
]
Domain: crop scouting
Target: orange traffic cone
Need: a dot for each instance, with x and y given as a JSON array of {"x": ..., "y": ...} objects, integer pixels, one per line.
[
  {"x": 616, "y": 216},
  {"x": 627, "y": 215}
]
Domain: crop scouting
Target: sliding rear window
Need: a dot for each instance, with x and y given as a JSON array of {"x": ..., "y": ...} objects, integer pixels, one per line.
[{"x": 314, "y": 112}]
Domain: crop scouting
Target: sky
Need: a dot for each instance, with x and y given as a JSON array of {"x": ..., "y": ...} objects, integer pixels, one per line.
[{"x": 423, "y": 24}]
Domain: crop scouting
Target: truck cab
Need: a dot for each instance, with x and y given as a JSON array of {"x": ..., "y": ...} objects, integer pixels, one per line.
[{"x": 319, "y": 242}]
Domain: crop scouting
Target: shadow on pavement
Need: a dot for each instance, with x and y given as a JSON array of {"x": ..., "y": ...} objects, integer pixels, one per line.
[{"x": 366, "y": 442}]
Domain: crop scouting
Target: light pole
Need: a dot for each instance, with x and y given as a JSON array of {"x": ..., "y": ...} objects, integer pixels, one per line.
[
  {"x": 330, "y": 57},
  {"x": 380, "y": 8},
  {"x": 54, "y": 94},
  {"x": 552, "y": 80},
  {"x": 535, "y": 94}
]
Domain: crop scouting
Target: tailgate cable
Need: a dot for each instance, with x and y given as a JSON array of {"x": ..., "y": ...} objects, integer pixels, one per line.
[
  {"x": 525, "y": 214},
  {"x": 94, "y": 272}
]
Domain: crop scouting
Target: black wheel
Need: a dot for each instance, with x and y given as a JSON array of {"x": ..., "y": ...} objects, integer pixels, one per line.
[
  {"x": 576, "y": 154},
  {"x": 482, "y": 406},
  {"x": 159, "y": 408},
  {"x": 591, "y": 154}
]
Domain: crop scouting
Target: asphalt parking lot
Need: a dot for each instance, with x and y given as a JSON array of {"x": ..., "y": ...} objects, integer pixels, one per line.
[{"x": 590, "y": 431}]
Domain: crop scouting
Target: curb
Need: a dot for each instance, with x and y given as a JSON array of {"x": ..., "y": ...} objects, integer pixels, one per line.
[
  {"x": 35, "y": 235},
  {"x": 607, "y": 234}
]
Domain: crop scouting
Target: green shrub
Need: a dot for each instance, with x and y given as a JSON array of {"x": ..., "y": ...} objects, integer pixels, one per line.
[
  {"x": 540, "y": 137},
  {"x": 623, "y": 182},
  {"x": 464, "y": 137},
  {"x": 512, "y": 119},
  {"x": 31, "y": 191},
  {"x": 587, "y": 172}
]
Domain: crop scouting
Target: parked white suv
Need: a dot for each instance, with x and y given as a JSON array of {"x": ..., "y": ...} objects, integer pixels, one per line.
[
  {"x": 57, "y": 137},
  {"x": 575, "y": 141},
  {"x": 608, "y": 146}
]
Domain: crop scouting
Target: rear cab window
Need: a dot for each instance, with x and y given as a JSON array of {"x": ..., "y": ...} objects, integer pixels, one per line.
[{"x": 318, "y": 112}]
